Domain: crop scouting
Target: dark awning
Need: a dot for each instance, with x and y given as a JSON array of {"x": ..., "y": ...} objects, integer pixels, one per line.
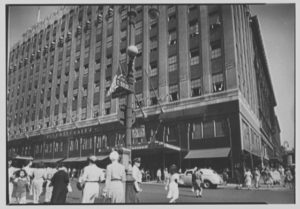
[
  {"x": 208, "y": 153},
  {"x": 82, "y": 159},
  {"x": 55, "y": 160}
]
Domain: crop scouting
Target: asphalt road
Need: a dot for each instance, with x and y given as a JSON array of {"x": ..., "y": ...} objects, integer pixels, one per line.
[{"x": 155, "y": 193}]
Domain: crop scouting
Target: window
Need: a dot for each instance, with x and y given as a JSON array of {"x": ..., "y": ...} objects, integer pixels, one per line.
[
  {"x": 139, "y": 47},
  {"x": 172, "y": 133},
  {"x": 192, "y": 8},
  {"x": 194, "y": 57},
  {"x": 214, "y": 21},
  {"x": 218, "y": 82},
  {"x": 153, "y": 44},
  {"x": 153, "y": 25},
  {"x": 172, "y": 37},
  {"x": 197, "y": 130},
  {"x": 196, "y": 87},
  {"x": 107, "y": 108},
  {"x": 172, "y": 63},
  {"x": 153, "y": 98},
  {"x": 208, "y": 129},
  {"x": 123, "y": 35},
  {"x": 172, "y": 17},
  {"x": 139, "y": 100},
  {"x": 153, "y": 69},
  {"x": 171, "y": 9},
  {"x": 109, "y": 42},
  {"x": 220, "y": 126},
  {"x": 173, "y": 90},
  {"x": 193, "y": 28},
  {"x": 138, "y": 28},
  {"x": 215, "y": 48}
]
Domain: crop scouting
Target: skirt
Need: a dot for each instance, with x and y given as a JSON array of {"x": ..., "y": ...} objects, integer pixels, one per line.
[
  {"x": 116, "y": 192},
  {"x": 173, "y": 191},
  {"x": 90, "y": 192}
]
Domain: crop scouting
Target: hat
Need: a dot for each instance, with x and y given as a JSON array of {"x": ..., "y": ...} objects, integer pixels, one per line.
[
  {"x": 92, "y": 158},
  {"x": 137, "y": 160}
]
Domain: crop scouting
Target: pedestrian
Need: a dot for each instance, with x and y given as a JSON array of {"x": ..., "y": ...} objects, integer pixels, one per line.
[
  {"x": 172, "y": 184},
  {"x": 48, "y": 187},
  {"x": 11, "y": 176},
  {"x": 60, "y": 181},
  {"x": 91, "y": 178},
  {"x": 256, "y": 175},
  {"x": 268, "y": 178},
  {"x": 166, "y": 175},
  {"x": 248, "y": 178},
  {"x": 158, "y": 175},
  {"x": 37, "y": 182},
  {"x": 196, "y": 182},
  {"x": 289, "y": 178},
  {"x": 29, "y": 173},
  {"x": 282, "y": 174},
  {"x": 137, "y": 176},
  {"x": 238, "y": 177},
  {"x": 22, "y": 186},
  {"x": 225, "y": 176},
  {"x": 73, "y": 173},
  {"x": 115, "y": 178}
]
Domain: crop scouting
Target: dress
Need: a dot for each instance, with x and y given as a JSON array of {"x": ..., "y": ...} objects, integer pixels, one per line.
[
  {"x": 37, "y": 183},
  {"x": 59, "y": 181},
  {"x": 173, "y": 187},
  {"x": 92, "y": 176},
  {"x": 21, "y": 184},
  {"x": 114, "y": 184},
  {"x": 248, "y": 177}
]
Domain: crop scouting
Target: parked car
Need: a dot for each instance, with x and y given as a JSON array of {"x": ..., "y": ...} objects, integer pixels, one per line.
[{"x": 210, "y": 178}]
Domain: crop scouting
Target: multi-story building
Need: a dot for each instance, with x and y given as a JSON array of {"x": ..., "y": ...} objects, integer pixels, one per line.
[{"x": 202, "y": 87}]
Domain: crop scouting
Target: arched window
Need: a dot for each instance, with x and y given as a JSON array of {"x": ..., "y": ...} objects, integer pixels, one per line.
[{"x": 104, "y": 141}]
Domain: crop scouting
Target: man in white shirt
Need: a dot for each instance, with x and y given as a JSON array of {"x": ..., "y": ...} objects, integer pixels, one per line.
[
  {"x": 91, "y": 177},
  {"x": 137, "y": 175},
  {"x": 11, "y": 176}
]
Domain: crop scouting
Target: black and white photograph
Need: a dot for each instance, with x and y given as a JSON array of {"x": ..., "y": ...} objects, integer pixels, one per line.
[{"x": 142, "y": 103}]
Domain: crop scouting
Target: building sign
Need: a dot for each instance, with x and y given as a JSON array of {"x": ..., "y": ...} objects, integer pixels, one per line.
[
  {"x": 119, "y": 87},
  {"x": 149, "y": 145},
  {"x": 138, "y": 132}
]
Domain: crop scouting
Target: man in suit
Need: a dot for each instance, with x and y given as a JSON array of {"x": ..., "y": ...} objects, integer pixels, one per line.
[{"x": 60, "y": 181}]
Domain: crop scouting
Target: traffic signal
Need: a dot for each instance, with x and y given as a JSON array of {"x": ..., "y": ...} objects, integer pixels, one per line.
[{"x": 122, "y": 114}]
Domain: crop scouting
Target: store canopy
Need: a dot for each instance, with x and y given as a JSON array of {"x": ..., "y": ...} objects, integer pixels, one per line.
[
  {"x": 55, "y": 160},
  {"x": 18, "y": 157},
  {"x": 208, "y": 153},
  {"x": 82, "y": 159}
]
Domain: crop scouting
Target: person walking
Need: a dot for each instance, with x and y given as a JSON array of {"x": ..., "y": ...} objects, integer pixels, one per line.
[
  {"x": 37, "y": 182},
  {"x": 282, "y": 174},
  {"x": 158, "y": 175},
  {"x": 22, "y": 185},
  {"x": 115, "y": 178},
  {"x": 48, "y": 187},
  {"x": 11, "y": 176},
  {"x": 172, "y": 184},
  {"x": 256, "y": 174},
  {"x": 91, "y": 177},
  {"x": 238, "y": 177},
  {"x": 196, "y": 182},
  {"x": 137, "y": 176},
  {"x": 166, "y": 175},
  {"x": 289, "y": 178},
  {"x": 29, "y": 171},
  {"x": 225, "y": 176},
  {"x": 248, "y": 178},
  {"x": 60, "y": 181}
]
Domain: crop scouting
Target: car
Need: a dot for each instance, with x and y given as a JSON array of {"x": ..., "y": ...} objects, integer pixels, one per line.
[{"x": 210, "y": 178}]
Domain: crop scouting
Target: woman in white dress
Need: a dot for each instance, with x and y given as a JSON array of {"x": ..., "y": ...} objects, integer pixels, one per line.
[
  {"x": 172, "y": 184},
  {"x": 115, "y": 180},
  {"x": 248, "y": 178}
]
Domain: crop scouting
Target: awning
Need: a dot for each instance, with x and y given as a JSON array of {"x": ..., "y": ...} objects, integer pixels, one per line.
[
  {"x": 82, "y": 159},
  {"x": 55, "y": 160},
  {"x": 208, "y": 153},
  {"x": 23, "y": 157}
]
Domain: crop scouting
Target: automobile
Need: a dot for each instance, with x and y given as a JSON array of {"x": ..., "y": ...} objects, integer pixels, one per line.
[{"x": 210, "y": 178}]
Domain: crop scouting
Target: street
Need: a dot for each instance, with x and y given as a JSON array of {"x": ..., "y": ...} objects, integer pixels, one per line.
[{"x": 155, "y": 193}]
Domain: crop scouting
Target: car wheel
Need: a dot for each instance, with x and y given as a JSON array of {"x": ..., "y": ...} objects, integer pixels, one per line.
[{"x": 206, "y": 184}]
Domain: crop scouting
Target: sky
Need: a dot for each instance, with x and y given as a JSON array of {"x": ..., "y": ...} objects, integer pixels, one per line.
[{"x": 277, "y": 24}]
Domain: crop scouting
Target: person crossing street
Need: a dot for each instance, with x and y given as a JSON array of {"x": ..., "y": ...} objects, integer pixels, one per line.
[
  {"x": 91, "y": 177},
  {"x": 137, "y": 176}
]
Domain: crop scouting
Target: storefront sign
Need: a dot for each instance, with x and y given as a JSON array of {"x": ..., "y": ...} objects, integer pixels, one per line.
[
  {"x": 138, "y": 132},
  {"x": 155, "y": 144}
]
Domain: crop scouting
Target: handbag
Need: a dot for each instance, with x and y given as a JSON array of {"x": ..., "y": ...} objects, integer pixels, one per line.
[
  {"x": 80, "y": 186},
  {"x": 69, "y": 188}
]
